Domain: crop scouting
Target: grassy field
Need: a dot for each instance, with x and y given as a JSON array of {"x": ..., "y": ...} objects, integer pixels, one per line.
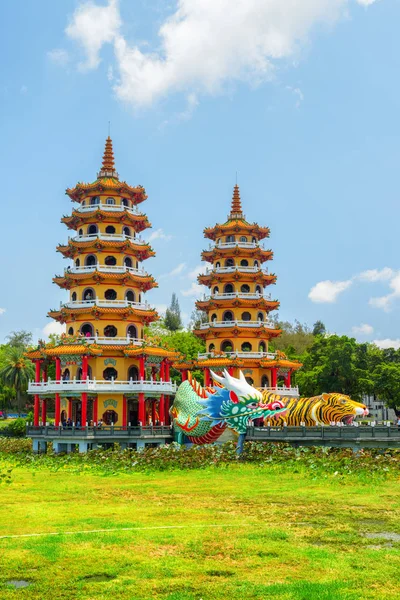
[{"x": 241, "y": 532}]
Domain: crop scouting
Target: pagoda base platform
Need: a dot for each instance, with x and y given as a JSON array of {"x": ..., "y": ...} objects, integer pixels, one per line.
[{"x": 74, "y": 439}]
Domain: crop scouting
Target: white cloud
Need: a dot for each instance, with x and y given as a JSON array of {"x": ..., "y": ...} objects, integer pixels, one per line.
[
  {"x": 204, "y": 44},
  {"x": 386, "y": 302},
  {"x": 373, "y": 275},
  {"x": 160, "y": 308},
  {"x": 194, "y": 273},
  {"x": 2, "y": 311},
  {"x": 328, "y": 291},
  {"x": 53, "y": 327},
  {"x": 363, "y": 329},
  {"x": 159, "y": 234},
  {"x": 176, "y": 271},
  {"x": 366, "y": 2},
  {"x": 58, "y": 56},
  {"x": 387, "y": 343},
  {"x": 92, "y": 26},
  {"x": 194, "y": 290}
]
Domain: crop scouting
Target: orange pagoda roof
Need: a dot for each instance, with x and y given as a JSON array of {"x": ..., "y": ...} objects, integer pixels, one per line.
[
  {"x": 212, "y": 277},
  {"x": 260, "y": 331},
  {"x": 75, "y": 247},
  {"x": 107, "y": 181},
  {"x": 139, "y": 222},
  {"x": 262, "y": 303},
  {"x": 217, "y": 252},
  {"x": 65, "y": 313},
  {"x": 144, "y": 283}
]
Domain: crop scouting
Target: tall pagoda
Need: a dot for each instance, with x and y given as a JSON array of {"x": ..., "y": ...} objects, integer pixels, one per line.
[
  {"x": 238, "y": 329},
  {"x": 105, "y": 369}
]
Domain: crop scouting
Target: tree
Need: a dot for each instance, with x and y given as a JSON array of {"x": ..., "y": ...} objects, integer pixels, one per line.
[
  {"x": 189, "y": 346},
  {"x": 319, "y": 328},
  {"x": 173, "y": 320},
  {"x": 19, "y": 339},
  {"x": 295, "y": 339},
  {"x": 197, "y": 318},
  {"x": 16, "y": 371},
  {"x": 387, "y": 384}
]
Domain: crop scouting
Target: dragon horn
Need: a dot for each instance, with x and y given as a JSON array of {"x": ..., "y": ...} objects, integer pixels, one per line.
[
  {"x": 216, "y": 377},
  {"x": 242, "y": 377}
]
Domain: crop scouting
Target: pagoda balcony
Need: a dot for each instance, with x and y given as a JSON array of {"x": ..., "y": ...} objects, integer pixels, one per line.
[
  {"x": 237, "y": 269},
  {"x": 222, "y": 324},
  {"x": 110, "y": 237},
  {"x": 106, "y": 269},
  {"x": 101, "y": 386},
  {"x": 223, "y": 245},
  {"x": 109, "y": 208},
  {"x": 233, "y": 355},
  {"x": 282, "y": 391},
  {"x": 109, "y": 341},
  {"x": 242, "y": 295},
  {"x": 105, "y": 304}
]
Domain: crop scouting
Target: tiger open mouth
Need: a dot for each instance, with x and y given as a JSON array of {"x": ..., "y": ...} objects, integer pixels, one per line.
[{"x": 348, "y": 419}]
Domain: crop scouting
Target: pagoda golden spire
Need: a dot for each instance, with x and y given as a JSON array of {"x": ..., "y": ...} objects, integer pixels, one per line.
[
  {"x": 108, "y": 165},
  {"x": 236, "y": 207}
]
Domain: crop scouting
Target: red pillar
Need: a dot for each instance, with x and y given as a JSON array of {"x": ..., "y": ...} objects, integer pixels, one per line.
[
  {"x": 141, "y": 412},
  {"x": 44, "y": 411},
  {"x": 207, "y": 377},
  {"x": 58, "y": 369},
  {"x": 84, "y": 367},
  {"x": 162, "y": 409},
  {"x": 124, "y": 412},
  {"x": 166, "y": 410},
  {"x": 36, "y": 410},
  {"x": 153, "y": 412},
  {"x": 142, "y": 373},
  {"x": 95, "y": 410},
  {"x": 45, "y": 373},
  {"x": 184, "y": 375},
  {"x": 84, "y": 408},
  {"x": 167, "y": 375},
  {"x": 69, "y": 409},
  {"x": 288, "y": 379},
  {"x": 162, "y": 370},
  {"x": 57, "y": 410},
  {"x": 274, "y": 376},
  {"x": 37, "y": 371}
]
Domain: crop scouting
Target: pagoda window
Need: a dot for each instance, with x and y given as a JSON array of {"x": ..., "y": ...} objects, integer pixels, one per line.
[
  {"x": 243, "y": 239},
  {"x": 264, "y": 381},
  {"x": 244, "y": 263},
  {"x": 211, "y": 347},
  {"x": 87, "y": 330},
  {"x": 253, "y": 239},
  {"x": 71, "y": 331},
  {"x": 230, "y": 239},
  {"x": 125, "y": 202},
  {"x": 245, "y": 289},
  {"x": 228, "y": 316},
  {"x": 133, "y": 373},
  {"x": 110, "y": 417},
  {"x": 262, "y": 347},
  {"x": 80, "y": 232},
  {"x": 79, "y": 373},
  {"x": 92, "y": 229},
  {"x": 89, "y": 294},
  {"x": 95, "y": 200},
  {"x": 90, "y": 260},
  {"x": 110, "y": 229},
  {"x": 130, "y": 296},
  {"x": 228, "y": 288},
  {"x": 128, "y": 261},
  {"x": 126, "y": 231},
  {"x": 216, "y": 290},
  {"x": 229, "y": 262},
  {"x": 110, "y": 294},
  {"x": 217, "y": 265},
  {"x": 73, "y": 296},
  {"x": 246, "y": 347},
  {"x": 110, "y": 261},
  {"x": 250, "y": 380},
  {"x": 140, "y": 298},
  {"x": 260, "y": 316},
  {"x": 83, "y": 203},
  {"x": 131, "y": 332},
  {"x": 258, "y": 289},
  {"x": 256, "y": 263},
  {"x": 246, "y": 316},
  {"x": 110, "y": 201},
  {"x": 110, "y": 373},
  {"x": 226, "y": 346},
  {"x": 213, "y": 318},
  {"x": 110, "y": 331},
  {"x": 77, "y": 262},
  {"x": 66, "y": 375}
]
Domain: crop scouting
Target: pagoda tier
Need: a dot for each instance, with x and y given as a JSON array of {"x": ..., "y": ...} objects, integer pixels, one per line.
[
  {"x": 130, "y": 311},
  {"x": 106, "y": 242},
  {"x": 237, "y": 330},
  {"x": 99, "y": 274},
  {"x": 102, "y": 213},
  {"x": 249, "y": 250}
]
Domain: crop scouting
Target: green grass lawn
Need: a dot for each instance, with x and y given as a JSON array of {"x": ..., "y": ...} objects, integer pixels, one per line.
[{"x": 248, "y": 532}]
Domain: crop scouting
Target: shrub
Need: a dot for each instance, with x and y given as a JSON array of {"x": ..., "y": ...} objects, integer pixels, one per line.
[{"x": 17, "y": 427}]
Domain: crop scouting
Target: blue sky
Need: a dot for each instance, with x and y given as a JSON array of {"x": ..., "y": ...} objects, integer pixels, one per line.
[{"x": 301, "y": 99}]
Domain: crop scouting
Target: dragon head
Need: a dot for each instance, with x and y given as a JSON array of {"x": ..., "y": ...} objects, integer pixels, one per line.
[{"x": 237, "y": 403}]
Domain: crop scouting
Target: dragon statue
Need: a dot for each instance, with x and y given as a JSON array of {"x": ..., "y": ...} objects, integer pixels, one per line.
[{"x": 203, "y": 414}]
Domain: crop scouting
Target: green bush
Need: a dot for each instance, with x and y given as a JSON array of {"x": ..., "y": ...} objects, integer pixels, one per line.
[{"x": 17, "y": 427}]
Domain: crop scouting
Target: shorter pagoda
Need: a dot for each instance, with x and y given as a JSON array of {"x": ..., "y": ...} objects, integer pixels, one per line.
[{"x": 238, "y": 328}]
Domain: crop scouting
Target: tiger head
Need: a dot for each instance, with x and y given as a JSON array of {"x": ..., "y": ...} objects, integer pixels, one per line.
[{"x": 338, "y": 407}]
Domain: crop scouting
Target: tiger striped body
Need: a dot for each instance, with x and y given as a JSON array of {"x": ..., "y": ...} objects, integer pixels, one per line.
[{"x": 318, "y": 410}]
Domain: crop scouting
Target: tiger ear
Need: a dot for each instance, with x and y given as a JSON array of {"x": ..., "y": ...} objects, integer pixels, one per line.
[{"x": 325, "y": 397}]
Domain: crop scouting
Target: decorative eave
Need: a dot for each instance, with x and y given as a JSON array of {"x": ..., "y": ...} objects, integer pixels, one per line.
[
  {"x": 236, "y": 226},
  {"x": 237, "y": 332},
  {"x": 52, "y": 351},
  {"x": 77, "y": 219},
  {"x": 152, "y": 351},
  {"x": 294, "y": 365},
  {"x": 258, "y": 277},
  {"x": 262, "y": 303},
  {"x": 256, "y": 253},
  {"x": 143, "y": 283},
  {"x": 70, "y": 314},
  {"x": 106, "y": 184},
  {"x": 183, "y": 365},
  {"x": 141, "y": 251}
]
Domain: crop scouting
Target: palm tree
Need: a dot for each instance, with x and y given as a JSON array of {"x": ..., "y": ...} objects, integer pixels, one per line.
[{"x": 15, "y": 371}]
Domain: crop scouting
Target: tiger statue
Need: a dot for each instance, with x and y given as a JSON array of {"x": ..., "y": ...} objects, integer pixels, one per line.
[{"x": 318, "y": 410}]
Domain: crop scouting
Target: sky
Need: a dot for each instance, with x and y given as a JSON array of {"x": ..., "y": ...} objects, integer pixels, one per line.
[{"x": 298, "y": 100}]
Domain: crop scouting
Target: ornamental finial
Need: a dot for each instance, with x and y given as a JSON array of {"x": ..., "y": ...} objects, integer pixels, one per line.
[
  {"x": 236, "y": 208},
  {"x": 108, "y": 166}
]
